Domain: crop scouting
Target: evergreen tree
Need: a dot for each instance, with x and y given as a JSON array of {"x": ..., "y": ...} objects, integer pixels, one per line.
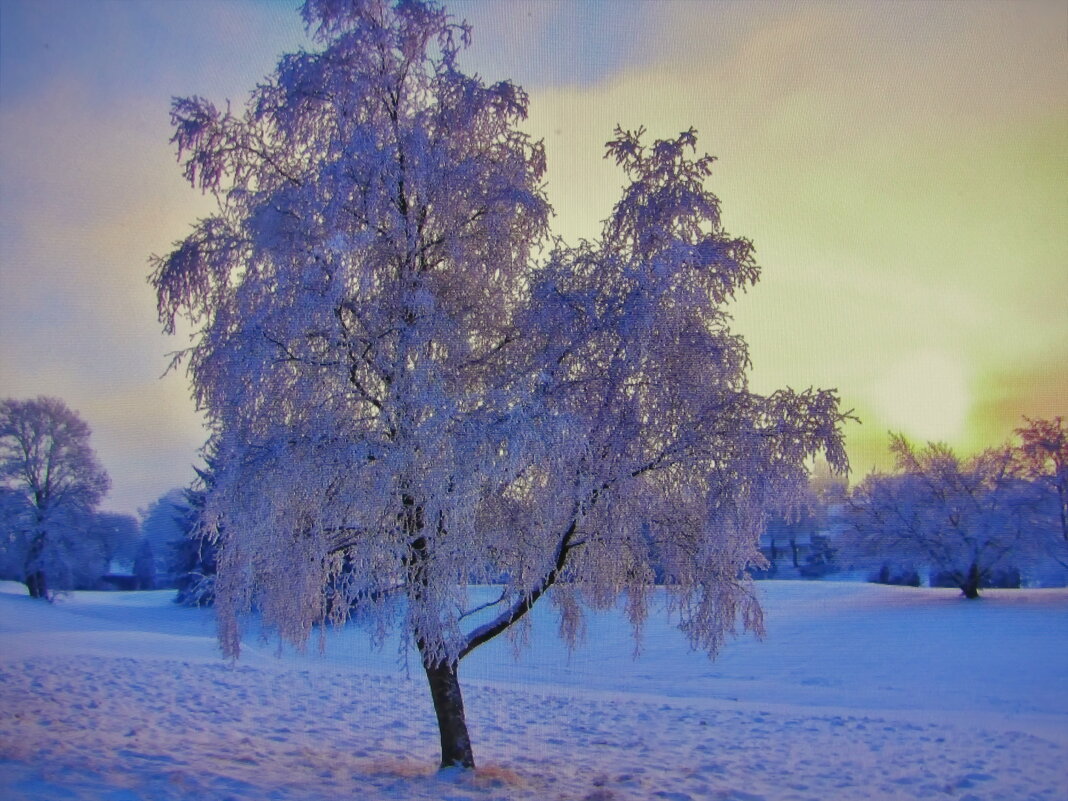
[{"x": 144, "y": 566}]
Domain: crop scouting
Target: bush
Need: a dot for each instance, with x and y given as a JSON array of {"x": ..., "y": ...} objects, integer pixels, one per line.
[{"x": 896, "y": 576}]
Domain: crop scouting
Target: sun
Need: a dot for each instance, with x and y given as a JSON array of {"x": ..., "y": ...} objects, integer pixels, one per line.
[{"x": 925, "y": 395}]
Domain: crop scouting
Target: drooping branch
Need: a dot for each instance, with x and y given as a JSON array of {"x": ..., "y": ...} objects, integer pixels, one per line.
[{"x": 526, "y": 602}]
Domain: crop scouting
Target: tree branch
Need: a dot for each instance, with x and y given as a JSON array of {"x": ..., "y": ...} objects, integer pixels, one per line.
[{"x": 487, "y": 632}]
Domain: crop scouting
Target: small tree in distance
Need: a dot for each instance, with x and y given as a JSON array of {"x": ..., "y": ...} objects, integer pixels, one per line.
[
  {"x": 144, "y": 566},
  {"x": 409, "y": 395},
  {"x": 966, "y": 518},
  {"x": 165, "y": 525},
  {"x": 115, "y": 536},
  {"x": 793, "y": 523},
  {"x": 45, "y": 457}
]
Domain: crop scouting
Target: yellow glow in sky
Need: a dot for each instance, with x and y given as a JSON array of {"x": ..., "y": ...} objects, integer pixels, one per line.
[
  {"x": 902, "y": 171},
  {"x": 901, "y": 166},
  {"x": 926, "y": 394}
]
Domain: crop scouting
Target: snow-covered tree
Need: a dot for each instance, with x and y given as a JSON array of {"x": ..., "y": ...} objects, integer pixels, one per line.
[
  {"x": 793, "y": 523},
  {"x": 1043, "y": 458},
  {"x": 45, "y": 456},
  {"x": 967, "y": 519},
  {"x": 144, "y": 566},
  {"x": 165, "y": 525},
  {"x": 412, "y": 388},
  {"x": 115, "y": 536},
  {"x": 195, "y": 554},
  {"x": 16, "y": 515}
]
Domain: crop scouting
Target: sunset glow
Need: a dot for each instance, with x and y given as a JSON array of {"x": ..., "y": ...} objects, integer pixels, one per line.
[{"x": 901, "y": 168}]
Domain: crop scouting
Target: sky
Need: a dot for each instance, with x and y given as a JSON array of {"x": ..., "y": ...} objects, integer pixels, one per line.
[{"x": 901, "y": 167}]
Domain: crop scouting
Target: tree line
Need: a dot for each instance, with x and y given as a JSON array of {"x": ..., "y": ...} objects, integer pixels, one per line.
[
  {"x": 992, "y": 519},
  {"x": 971, "y": 522}
]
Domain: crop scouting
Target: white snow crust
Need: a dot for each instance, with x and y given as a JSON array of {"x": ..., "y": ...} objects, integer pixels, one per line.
[{"x": 859, "y": 691}]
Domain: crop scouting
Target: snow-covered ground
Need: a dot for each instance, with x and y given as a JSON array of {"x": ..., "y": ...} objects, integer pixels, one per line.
[{"x": 858, "y": 692}]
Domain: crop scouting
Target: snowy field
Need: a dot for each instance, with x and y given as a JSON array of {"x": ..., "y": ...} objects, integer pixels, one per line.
[{"x": 858, "y": 692}]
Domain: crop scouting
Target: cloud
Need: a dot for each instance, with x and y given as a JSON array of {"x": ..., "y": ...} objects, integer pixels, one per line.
[
  {"x": 89, "y": 188},
  {"x": 900, "y": 168},
  {"x": 1036, "y": 390},
  {"x": 543, "y": 43}
]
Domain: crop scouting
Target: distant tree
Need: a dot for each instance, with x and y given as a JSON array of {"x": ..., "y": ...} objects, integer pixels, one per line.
[
  {"x": 409, "y": 395},
  {"x": 898, "y": 575},
  {"x": 804, "y": 522},
  {"x": 45, "y": 457},
  {"x": 794, "y": 521},
  {"x": 967, "y": 519},
  {"x": 15, "y": 523},
  {"x": 114, "y": 535},
  {"x": 144, "y": 566},
  {"x": 165, "y": 525},
  {"x": 829, "y": 488},
  {"x": 1043, "y": 458}
]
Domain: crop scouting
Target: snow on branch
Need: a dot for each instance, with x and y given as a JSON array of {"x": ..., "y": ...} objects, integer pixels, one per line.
[{"x": 412, "y": 387}]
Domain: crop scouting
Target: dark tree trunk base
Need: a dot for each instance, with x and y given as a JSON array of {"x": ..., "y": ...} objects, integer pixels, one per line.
[
  {"x": 970, "y": 585},
  {"x": 449, "y": 706},
  {"x": 37, "y": 585}
]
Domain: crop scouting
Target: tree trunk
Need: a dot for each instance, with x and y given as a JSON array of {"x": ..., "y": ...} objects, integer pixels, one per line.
[
  {"x": 441, "y": 674},
  {"x": 449, "y": 707},
  {"x": 36, "y": 582},
  {"x": 970, "y": 585}
]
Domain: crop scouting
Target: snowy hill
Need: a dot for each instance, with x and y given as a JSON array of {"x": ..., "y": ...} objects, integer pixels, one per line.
[{"x": 859, "y": 691}]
